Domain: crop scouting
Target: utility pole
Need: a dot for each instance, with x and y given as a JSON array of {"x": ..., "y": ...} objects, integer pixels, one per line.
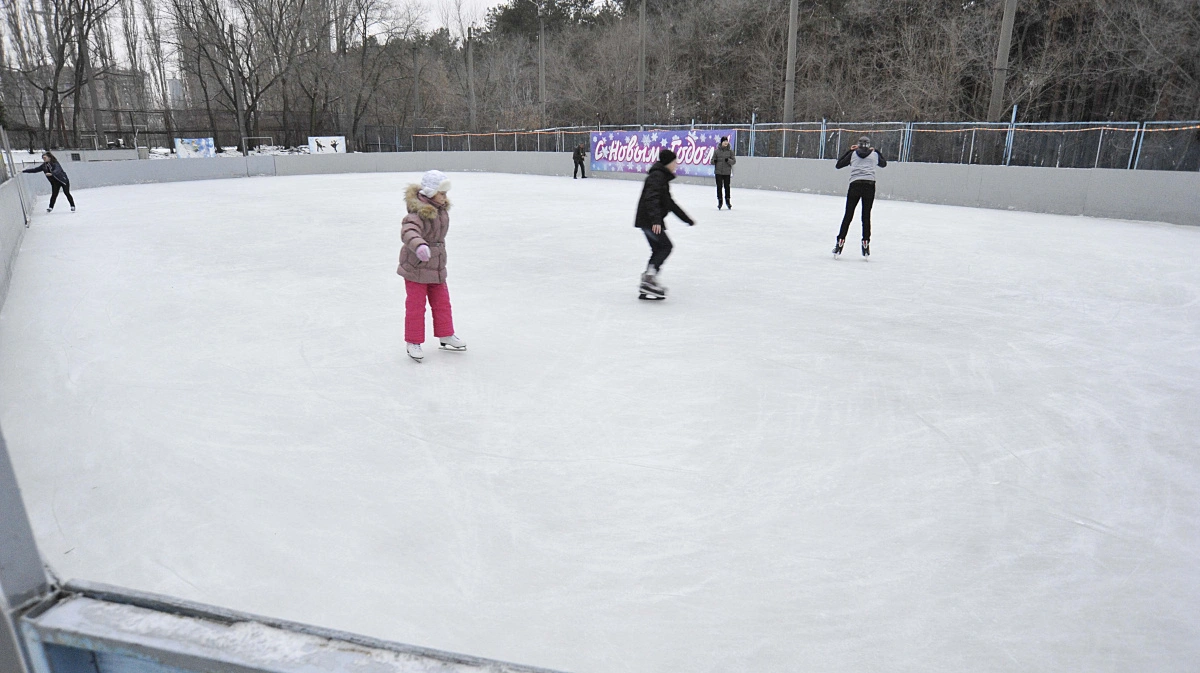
[
  {"x": 789, "y": 87},
  {"x": 641, "y": 101},
  {"x": 542, "y": 62},
  {"x": 416, "y": 50},
  {"x": 235, "y": 81},
  {"x": 471, "y": 75},
  {"x": 1000, "y": 72}
]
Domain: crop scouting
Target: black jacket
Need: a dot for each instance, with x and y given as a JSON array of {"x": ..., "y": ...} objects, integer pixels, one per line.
[
  {"x": 656, "y": 199},
  {"x": 54, "y": 172},
  {"x": 579, "y": 154}
]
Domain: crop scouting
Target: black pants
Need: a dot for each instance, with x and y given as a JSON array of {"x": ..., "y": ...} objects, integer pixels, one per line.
[
  {"x": 660, "y": 247},
  {"x": 55, "y": 185},
  {"x": 723, "y": 180},
  {"x": 578, "y": 169},
  {"x": 859, "y": 189}
]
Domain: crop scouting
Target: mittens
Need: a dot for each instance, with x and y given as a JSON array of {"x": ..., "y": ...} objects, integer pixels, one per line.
[{"x": 423, "y": 252}]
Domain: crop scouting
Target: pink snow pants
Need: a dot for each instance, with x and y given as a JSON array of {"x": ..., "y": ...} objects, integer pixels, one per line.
[{"x": 414, "y": 311}]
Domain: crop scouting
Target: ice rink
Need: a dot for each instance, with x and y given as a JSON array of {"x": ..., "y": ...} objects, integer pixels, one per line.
[{"x": 979, "y": 451}]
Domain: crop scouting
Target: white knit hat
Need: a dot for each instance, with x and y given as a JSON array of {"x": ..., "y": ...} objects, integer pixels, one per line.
[{"x": 433, "y": 182}]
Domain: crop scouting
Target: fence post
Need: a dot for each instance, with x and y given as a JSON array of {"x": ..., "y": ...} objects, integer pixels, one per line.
[
  {"x": 822, "y": 137},
  {"x": 971, "y": 152},
  {"x": 1008, "y": 145},
  {"x": 753, "y": 119},
  {"x": 515, "y": 141},
  {"x": 1099, "y": 146},
  {"x": 1142, "y": 141}
]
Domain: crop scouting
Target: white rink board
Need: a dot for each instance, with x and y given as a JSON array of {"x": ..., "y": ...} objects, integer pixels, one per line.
[{"x": 977, "y": 452}]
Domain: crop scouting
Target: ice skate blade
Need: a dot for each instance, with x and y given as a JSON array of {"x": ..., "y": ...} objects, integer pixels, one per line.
[
  {"x": 651, "y": 297},
  {"x": 417, "y": 360},
  {"x": 447, "y": 347}
]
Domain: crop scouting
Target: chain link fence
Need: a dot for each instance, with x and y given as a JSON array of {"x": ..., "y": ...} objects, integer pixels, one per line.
[{"x": 1171, "y": 146}]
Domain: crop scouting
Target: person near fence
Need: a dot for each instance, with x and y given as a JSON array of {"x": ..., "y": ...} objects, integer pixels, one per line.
[
  {"x": 423, "y": 264},
  {"x": 653, "y": 206},
  {"x": 723, "y": 161},
  {"x": 57, "y": 177},
  {"x": 579, "y": 155},
  {"x": 862, "y": 160}
]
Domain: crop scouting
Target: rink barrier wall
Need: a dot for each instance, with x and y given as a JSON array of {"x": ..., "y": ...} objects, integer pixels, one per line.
[
  {"x": 1159, "y": 196},
  {"x": 12, "y": 231}
]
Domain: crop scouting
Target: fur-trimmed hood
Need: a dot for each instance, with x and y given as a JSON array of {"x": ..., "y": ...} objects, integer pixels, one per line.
[{"x": 418, "y": 204}]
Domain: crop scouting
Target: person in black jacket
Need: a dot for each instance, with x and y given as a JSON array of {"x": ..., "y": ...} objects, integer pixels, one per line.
[
  {"x": 652, "y": 210},
  {"x": 57, "y": 177},
  {"x": 579, "y": 155}
]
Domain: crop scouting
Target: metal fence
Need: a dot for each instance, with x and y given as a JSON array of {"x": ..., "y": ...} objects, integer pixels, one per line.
[{"x": 1172, "y": 146}]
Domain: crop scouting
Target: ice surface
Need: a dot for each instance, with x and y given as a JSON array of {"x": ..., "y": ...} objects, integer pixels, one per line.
[{"x": 976, "y": 452}]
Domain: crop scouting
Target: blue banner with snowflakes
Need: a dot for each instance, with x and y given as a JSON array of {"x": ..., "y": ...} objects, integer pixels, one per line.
[{"x": 636, "y": 151}]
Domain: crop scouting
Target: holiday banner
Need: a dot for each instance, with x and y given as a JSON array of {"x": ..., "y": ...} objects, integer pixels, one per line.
[
  {"x": 636, "y": 151},
  {"x": 327, "y": 144},
  {"x": 195, "y": 148}
]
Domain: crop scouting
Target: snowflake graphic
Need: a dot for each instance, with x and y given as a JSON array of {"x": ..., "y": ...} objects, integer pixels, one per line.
[
  {"x": 664, "y": 142},
  {"x": 653, "y": 136},
  {"x": 610, "y": 136},
  {"x": 703, "y": 137}
]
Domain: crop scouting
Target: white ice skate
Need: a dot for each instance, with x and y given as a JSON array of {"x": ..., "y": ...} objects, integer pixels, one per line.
[
  {"x": 452, "y": 343},
  {"x": 650, "y": 287},
  {"x": 414, "y": 351}
]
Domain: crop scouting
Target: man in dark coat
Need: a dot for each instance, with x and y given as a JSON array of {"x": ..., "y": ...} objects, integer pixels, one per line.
[
  {"x": 652, "y": 210},
  {"x": 723, "y": 161},
  {"x": 579, "y": 155}
]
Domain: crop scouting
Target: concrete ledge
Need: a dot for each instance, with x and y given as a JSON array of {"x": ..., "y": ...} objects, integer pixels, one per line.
[{"x": 1160, "y": 196}]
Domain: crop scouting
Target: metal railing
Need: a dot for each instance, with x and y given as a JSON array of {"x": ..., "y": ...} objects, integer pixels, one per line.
[{"x": 1173, "y": 146}]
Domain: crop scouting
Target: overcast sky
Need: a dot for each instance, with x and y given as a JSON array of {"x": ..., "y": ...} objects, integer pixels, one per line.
[{"x": 434, "y": 15}]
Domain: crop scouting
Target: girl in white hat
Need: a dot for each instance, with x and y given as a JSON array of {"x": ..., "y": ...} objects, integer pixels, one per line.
[{"x": 423, "y": 264}]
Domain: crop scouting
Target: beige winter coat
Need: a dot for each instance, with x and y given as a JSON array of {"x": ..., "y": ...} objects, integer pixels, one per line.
[{"x": 425, "y": 224}]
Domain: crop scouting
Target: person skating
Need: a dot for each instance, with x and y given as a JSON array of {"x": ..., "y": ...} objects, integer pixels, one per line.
[
  {"x": 862, "y": 160},
  {"x": 723, "y": 159},
  {"x": 579, "y": 156},
  {"x": 652, "y": 210},
  {"x": 57, "y": 177},
  {"x": 423, "y": 264}
]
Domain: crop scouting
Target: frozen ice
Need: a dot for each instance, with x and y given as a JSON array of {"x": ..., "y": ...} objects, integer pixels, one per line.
[{"x": 977, "y": 451}]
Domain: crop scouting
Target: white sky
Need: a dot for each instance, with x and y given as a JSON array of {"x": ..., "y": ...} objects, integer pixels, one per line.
[{"x": 480, "y": 7}]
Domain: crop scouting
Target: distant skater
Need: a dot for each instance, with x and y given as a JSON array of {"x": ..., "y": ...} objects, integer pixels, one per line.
[
  {"x": 57, "y": 177},
  {"x": 723, "y": 159},
  {"x": 423, "y": 264},
  {"x": 652, "y": 210},
  {"x": 862, "y": 160},
  {"x": 579, "y": 156}
]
